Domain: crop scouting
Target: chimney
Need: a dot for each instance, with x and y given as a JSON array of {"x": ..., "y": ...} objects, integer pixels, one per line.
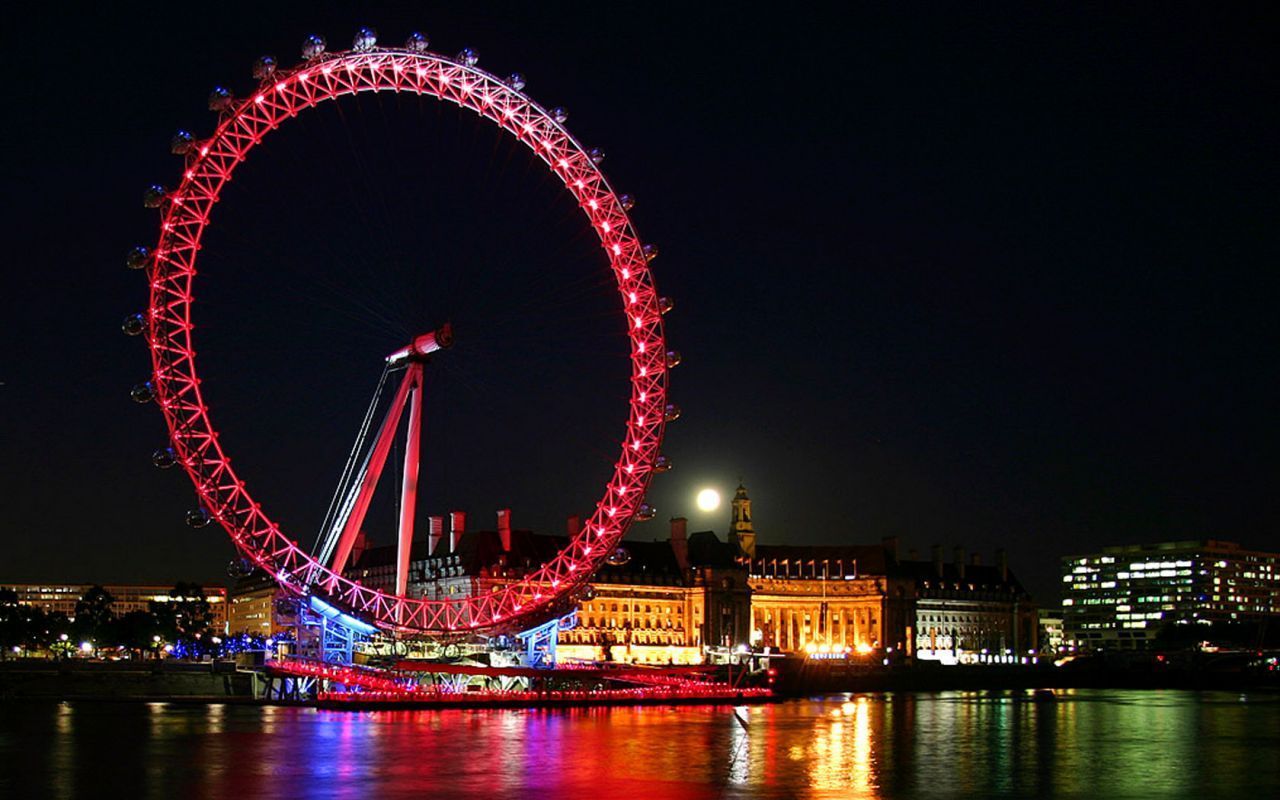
[
  {"x": 680, "y": 541},
  {"x": 937, "y": 559},
  {"x": 1003, "y": 564},
  {"x": 890, "y": 545},
  {"x": 572, "y": 525},
  {"x": 960, "y": 562},
  {"x": 504, "y": 529},
  {"x": 975, "y": 560},
  {"x": 457, "y": 524},
  {"x": 435, "y": 532}
]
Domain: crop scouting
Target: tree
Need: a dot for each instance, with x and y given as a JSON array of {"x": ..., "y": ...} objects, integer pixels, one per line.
[
  {"x": 57, "y": 634},
  {"x": 35, "y": 628},
  {"x": 12, "y": 622},
  {"x": 186, "y": 616},
  {"x": 94, "y": 615},
  {"x": 137, "y": 631}
]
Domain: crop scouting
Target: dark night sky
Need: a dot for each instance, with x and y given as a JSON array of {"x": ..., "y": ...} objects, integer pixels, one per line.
[{"x": 988, "y": 279}]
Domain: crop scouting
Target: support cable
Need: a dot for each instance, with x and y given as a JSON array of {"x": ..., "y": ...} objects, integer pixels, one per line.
[{"x": 330, "y": 528}]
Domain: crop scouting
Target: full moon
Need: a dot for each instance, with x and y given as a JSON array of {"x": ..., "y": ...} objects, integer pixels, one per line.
[{"x": 708, "y": 500}]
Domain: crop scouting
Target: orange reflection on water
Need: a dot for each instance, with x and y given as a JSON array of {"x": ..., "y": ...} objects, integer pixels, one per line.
[
  {"x": 1099, "y": 743},
  {"x": 841, "y": 755}
]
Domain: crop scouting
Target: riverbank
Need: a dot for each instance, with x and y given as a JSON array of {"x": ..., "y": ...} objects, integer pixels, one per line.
[
  {"x": 219, "y": 682},
  {"x": 801, "y": 678},
  {"x": 123, "y": 680}
]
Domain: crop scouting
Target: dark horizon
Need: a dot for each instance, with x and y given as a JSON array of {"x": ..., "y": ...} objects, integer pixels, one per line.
[{"x": 981, "y": 280}]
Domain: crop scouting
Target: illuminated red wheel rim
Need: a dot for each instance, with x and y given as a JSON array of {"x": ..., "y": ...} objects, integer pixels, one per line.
[{"x": 176, "y": 385}]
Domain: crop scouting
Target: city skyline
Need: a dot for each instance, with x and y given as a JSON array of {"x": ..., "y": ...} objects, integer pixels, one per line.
[{"x": 953, "y": 310}]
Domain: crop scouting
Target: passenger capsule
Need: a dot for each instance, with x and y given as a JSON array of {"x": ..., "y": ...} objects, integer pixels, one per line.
[
  {"x": 144, "y": 392},
  {"x": 417, "y": 43},
  {"x": 626, "y": 201},
  {"x": 673, "y": 359},
  {"x": 197, "y": 517},
  {"x": 645, "y": 513},
  {"x": 138, "y": 258},
  {"x": 560, "y": 115},
  {"x": 182, "y": 143},
  {"x": 313, "y": 47},
  {"x": 650, "y": 252},
  {"x": 134, "y": 325},
  {"x": 153, "y": 196},
  {"x": 618, "y": 557},
  {"x": 220, "y": 99},
  {"x": 662, "y": 464},
  {"x": 672, "y": 412},
  {"x": 164, "y": 458},
  {"x": 264, "y": 67},
  {"x": 241, "y": 568},
  {"x": 516, "y": 81},
  {"x": 665, "y": 304},
  {"x": 596, "y": 155},
  {"x": 366, "y": 39},
  {"x": 468, "y": 56}
]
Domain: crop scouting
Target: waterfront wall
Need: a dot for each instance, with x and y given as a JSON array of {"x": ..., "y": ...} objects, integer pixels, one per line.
[{"x": 69, "y": 680}]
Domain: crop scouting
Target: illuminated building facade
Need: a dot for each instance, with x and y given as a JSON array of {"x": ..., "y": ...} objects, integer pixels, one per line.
[
  {"x": 676, "y": 600},
  {"x": 1121, "y": 597},
  {"x": 651, "y": 602},
  {"x": 1053, "y": 637},
  {"x": 62, "y": 598},
  {"x": 259, "y": 606},
  {"x": 866, "y": 599}
]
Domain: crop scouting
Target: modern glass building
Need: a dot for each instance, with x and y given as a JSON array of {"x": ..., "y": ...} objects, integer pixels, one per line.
[{"x": 1121, "y": 597}]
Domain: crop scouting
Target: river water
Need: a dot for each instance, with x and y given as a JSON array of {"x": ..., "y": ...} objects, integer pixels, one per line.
[{"x": 1095, "y": 744}]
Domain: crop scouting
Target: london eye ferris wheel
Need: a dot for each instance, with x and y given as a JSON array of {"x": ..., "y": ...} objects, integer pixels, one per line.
[{"x": 209, "y": 164}]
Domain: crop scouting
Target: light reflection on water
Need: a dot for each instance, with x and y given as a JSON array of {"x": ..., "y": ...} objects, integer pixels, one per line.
[{"x": 1100, "y": 743}]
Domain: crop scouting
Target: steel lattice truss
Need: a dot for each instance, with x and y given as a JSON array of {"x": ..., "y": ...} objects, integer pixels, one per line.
[{"x": 172, "y": 271}]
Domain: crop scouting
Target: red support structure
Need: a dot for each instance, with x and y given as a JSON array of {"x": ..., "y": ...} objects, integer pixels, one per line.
[
  {"x": 369, "y": 480},
  {"x": 409, "y": 492}
]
